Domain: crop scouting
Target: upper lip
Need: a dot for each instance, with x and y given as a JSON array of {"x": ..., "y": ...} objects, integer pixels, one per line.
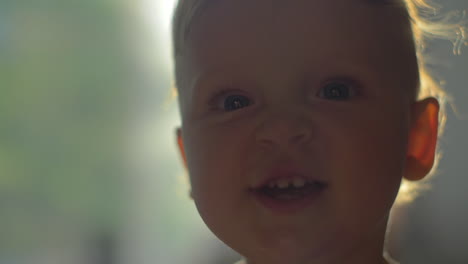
[{"x": 284, "y": 171}]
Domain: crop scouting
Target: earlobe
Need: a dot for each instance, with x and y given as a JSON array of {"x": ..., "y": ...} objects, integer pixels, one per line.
[
  {"x": 422, "y": 140},
  {"x": 180, "y": 144}
]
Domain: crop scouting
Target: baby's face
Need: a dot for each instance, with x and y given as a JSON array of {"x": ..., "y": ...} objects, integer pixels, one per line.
[{"x": 321, "y": 86}]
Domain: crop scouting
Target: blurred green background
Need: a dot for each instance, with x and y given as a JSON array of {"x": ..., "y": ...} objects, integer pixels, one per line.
[{"x": 88, "y": 166}]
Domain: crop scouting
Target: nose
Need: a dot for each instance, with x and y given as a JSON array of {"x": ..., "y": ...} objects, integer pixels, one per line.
[{"x": 285, "y": 129}]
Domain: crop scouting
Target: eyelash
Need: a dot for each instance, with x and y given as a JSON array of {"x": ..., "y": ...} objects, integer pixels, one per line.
[{"x": 225, "y": 93}]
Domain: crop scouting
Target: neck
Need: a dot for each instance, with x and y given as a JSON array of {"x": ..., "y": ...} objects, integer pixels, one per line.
[{"x": 369, "y": 250}]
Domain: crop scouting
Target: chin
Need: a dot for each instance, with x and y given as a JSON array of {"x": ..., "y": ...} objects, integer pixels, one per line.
[{"x": 280, "y": 252}]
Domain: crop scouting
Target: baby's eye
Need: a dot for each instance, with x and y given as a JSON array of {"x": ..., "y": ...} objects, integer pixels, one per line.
[
  {"x": 337, "y": 91},
  {"x": 234, "y": 102},
  {"x": 229, "y": 100}
]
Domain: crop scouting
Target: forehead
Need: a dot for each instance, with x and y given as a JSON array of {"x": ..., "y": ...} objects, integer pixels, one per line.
[
  {"x": 275, "y": 33},
  {"x": 298, "y": 19},
  {"x": 190, "y": 11}
]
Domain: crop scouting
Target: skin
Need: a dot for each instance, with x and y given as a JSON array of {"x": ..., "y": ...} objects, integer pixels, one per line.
[{"x": 279, "y": 56}]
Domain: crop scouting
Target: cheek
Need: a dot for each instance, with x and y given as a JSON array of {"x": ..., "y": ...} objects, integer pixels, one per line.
[
  {"x": 214, "y": 156},
  {"x": 369, "y": 163},
  {"x": 215, "y": 159}
]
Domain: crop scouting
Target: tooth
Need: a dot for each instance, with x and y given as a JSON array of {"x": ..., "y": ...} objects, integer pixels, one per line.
[
  {"x": 283, "y": 183},
  {"x": 298, "y": 182}
]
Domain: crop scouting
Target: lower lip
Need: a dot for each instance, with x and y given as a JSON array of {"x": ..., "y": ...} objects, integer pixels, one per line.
[{"x": 286, "y": 207}]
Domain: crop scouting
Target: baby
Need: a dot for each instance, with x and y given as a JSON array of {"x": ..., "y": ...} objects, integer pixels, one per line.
[{"x": 300, "y": 119}]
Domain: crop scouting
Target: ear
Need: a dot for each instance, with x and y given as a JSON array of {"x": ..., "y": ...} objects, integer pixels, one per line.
[
  {"x": 422, "y": 138},
  {"x": 180, "y": 144}
]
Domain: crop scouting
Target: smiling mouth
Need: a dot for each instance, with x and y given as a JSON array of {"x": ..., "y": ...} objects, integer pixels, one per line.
[
  {"x": 287, "y": 199},
  {"x": 291, "y": 191}
]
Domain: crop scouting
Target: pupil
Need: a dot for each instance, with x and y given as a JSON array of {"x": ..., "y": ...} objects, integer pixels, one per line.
[
  {"x": 235, "y": 102},
  {"x": 337, "y": 91}
]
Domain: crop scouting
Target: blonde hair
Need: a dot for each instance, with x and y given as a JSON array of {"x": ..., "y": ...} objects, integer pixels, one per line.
[{"x": 426, "y": 24}]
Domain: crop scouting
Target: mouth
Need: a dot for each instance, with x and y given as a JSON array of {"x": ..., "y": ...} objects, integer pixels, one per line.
[
  {"x": 292, "y": 190},
  {"x": 289, "y": 188},
  {"x": 288, "y": 196}
]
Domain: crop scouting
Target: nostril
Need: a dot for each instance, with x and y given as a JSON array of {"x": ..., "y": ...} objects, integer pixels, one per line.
[
  {"x": 301, "y": 137},
  {"x": 298, "y": 137}
]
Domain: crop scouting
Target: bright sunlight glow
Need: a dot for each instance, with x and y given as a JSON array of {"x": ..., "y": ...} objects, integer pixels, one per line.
[
  {"x": 159, "y": 13},
  {"x": 158, "y": 18}
]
